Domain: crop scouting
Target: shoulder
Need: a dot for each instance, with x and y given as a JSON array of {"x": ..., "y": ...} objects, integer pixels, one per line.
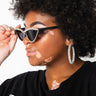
[
  {"x": 21, "y": 82},
  {"x": 88, "y": 70},
  {"x": 91, "y": 71},
  {"x": 30, "y": 74},
  {"x": 90, "y": 67},
  {"x": 24, "y": 78}
]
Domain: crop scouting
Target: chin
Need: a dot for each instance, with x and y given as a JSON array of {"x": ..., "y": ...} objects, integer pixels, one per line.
[
  {"x": 40, "y": 62},
  {"x": 37, "y": 62},
  {"x": 34, "y": 63}
]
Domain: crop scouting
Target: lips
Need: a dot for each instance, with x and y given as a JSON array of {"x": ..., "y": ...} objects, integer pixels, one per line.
[{"x": 30, "y": 52}]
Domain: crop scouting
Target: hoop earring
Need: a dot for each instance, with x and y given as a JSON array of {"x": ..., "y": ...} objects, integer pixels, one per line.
[{"x": 69, "y": 54}]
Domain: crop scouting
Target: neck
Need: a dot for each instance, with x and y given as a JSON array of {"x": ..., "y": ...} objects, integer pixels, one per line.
[{"x": 61, "y": 70}]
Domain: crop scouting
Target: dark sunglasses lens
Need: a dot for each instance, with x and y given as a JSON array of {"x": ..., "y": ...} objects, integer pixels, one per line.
[
  {"x": 20, "y": 34},
  {"x": 31, "y": 34}
]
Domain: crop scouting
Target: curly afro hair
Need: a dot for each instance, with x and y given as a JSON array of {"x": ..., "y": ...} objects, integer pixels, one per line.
[{"x": 75, "y": 18}]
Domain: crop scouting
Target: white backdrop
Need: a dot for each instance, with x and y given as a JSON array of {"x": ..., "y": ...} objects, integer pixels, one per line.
[{"x": 17, "y": 62}]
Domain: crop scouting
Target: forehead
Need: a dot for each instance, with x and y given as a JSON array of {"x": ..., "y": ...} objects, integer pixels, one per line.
[{"x": 39, "y": 17}]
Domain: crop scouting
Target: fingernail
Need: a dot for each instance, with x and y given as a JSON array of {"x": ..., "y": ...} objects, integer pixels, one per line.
[
  {"x": 2, "y": 28},
  {"x": 9, "y": 29},
  {"x": 18, "y": 26}
]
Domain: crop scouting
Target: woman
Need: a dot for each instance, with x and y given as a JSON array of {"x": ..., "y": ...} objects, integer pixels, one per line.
[{"x": 56, "y": 34}]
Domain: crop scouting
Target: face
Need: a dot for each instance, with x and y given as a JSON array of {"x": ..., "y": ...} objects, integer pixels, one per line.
[{"x": 49, "y": 46}]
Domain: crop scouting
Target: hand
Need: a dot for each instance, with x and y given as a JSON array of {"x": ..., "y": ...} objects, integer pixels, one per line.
[{"x": 8, "y": 40}]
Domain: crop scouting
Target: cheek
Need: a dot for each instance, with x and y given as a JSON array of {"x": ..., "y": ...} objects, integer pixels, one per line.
[
  {"x": 51, "y": 45},
  {"x": 38, "y": 54},
  {"x": 48, "y": 48}
]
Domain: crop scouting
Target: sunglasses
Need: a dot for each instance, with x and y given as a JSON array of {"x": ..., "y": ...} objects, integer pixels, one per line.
[{"x": 31, "y": 33}]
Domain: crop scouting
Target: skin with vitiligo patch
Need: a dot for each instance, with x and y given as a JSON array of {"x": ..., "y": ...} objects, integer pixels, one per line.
[
  {"x": 52, "y": 33},
  {"x": 51, "y": 49},
  {"x": 55, "y": 85},
  {"x": 38, "y": 55},
  {"x": 48, "y": 59},
  {"x": 52, "y": 43}
]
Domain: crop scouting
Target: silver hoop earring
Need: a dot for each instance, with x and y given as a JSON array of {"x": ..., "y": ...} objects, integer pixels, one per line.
[{"x": 69, "y": 54}]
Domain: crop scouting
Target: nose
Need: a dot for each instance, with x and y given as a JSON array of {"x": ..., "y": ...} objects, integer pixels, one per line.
[{"x": 26, "y": 41}]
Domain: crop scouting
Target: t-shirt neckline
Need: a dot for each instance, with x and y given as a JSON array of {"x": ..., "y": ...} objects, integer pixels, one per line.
[{"x": 65, "y": 83}]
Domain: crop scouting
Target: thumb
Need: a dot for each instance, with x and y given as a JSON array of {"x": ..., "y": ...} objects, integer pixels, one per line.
[{"x": 18, "y": 26}]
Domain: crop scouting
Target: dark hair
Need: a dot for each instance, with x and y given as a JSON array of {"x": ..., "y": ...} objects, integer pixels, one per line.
[{"x": 75, "y": 18}]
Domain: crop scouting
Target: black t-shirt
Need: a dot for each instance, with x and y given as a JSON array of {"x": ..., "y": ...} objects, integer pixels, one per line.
[{"x": 81, "y": 83}]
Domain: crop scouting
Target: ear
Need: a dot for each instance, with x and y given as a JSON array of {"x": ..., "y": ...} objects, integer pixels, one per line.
[{"x": 69, "y": 41}]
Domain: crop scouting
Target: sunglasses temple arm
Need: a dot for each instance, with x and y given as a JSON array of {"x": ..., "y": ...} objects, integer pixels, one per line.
[{"x": 42, "y": 29}]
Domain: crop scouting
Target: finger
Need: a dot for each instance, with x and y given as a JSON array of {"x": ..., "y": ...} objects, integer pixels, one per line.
[
  {"x": 2, "y": 37},
  {"x": 8, "y": 33},
  {"x": 12, "y": 42},
  {"x": 5, "y": 32},
  {"x": 18, "y": 26},
  {"x": 6, "y": 29},
  {"x": 7, "y": 40},
  {"x": 2, "y": 30},
  {"x": 13, "y": 29},
  {"x": 9, "y": 30}
]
